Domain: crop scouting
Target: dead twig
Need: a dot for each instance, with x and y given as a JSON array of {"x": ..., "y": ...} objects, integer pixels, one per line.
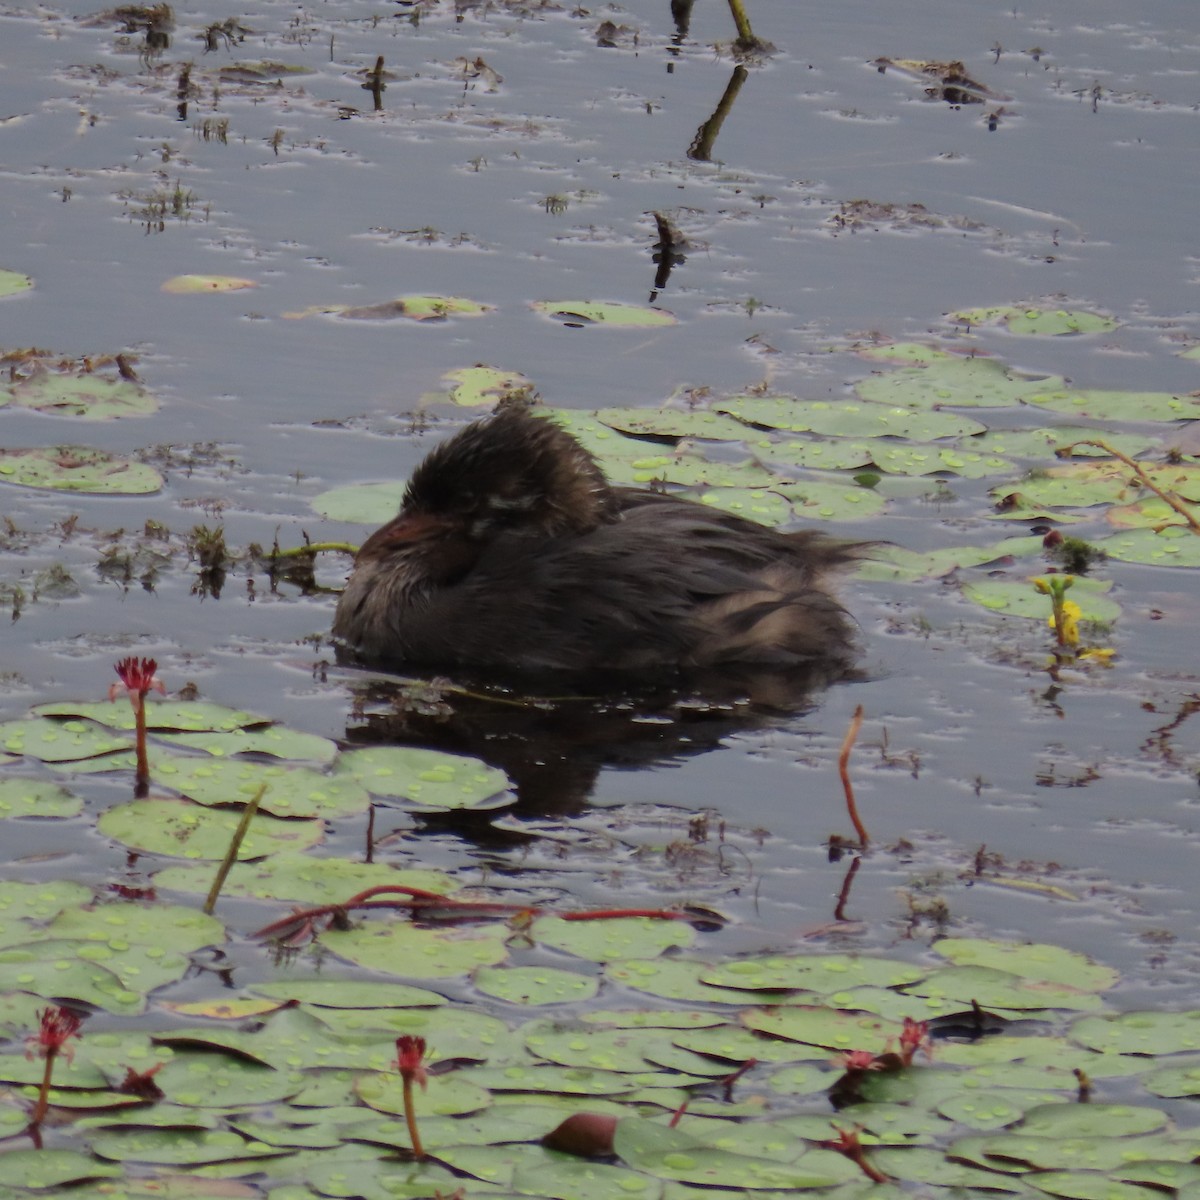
[
  {"x": 843, "y": 764},
  {"x": 1143, "y": 478}
]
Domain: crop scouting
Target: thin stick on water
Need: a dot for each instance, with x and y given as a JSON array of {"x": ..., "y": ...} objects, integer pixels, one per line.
[
  {"x": 235, "y": 844},
  {"x": 843, "y": 764}
]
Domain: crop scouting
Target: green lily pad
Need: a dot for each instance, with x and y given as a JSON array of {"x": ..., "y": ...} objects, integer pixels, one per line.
[
  {"x": 1039, "y": 961},
  {"x": 819, "y": 1026},
  {"x": 895, "y": 563},
  {"x": 475, "y": 387},
  {"x": 735, "y": 1044},
  {"x": 534, "y": 985},
  {"x": 674, "y": 979},
  {"x": 59, "y": 741},
  {"x": 1019, "y": 598},
  {"x": 1092, "y": 1120},
  {"x": 13, "y": 282},
  {"x": 548, "y": 1078},
  {"x": 177, "y": 715},
  {"x": 997, "y": 1109},
  {"x": 398, "y": 948},
  {"x": 1082, "y": 1185},
  {"x": 291, "y": 791},
  {"x": 427, "y": 779},
  {"x": 993, "y": 988},
  {"x": 36, "y": 798},
  {"x": 1043, "y": 442},
  {"x": 687, "y": 470},
  {"x": 673, "y": 423},
  {"x": 1174, "y": 546},
  {"x": 23, "y": 903},
  {"x": 900, "y": 458},
  {"x": 275, "y": 740},
  {"x": 1105, "y": 482},
  {"x": 92, "y": 396},
  {"x": 612, "y": 938},
  {"x": 905, "y": 352},
  {"x": 413, "y": 308},
  {"x": 1105, "y": 405},
  {"x": 1173, "y": 1082},
  {"x": 813, "y": 972},
  {"x": 183, "y": 829},
  {"x": 1038, "y": 322},
  {"x": 446, "y": 1096},
  {"x": 842, "y": 418},
  {"x": 1152, "y": 1033},
  {"x": 820, "y": 500},
  {"x": 672, "y": 1154},
  {"x": 1151, "y": 513},
  {"x": 198, "y": 1080},
  {"x": 348, "y": 993},
  {"x": 957, "y": 383},
  {"x": 50, "y": 1168},
  {"x": 593, "y": 312},
  {"x": 365, "y": 503},
  {"x": 121, "y": 924},
  {"x": 177, "y": 1147},
  {"x": 78, "y": 469},
  {"x": 826, "y": 454},
  {"x": 188, "y": 285},
  {"x": 56, "y": 970},
  {"x": 302, "y": 877},
  {"x": 767, "y": 508}
]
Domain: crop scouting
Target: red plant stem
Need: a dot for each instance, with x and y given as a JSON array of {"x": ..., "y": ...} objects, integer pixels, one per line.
[
  {"x": 43, "y": 1100},
  {"x": 843, "y": 770},
  {"x": 605, "y": 914},
  {"x": 410, "y": 1118},
  {"x": 729, "y": 1080},
  {"x": 142, "y": 778}
]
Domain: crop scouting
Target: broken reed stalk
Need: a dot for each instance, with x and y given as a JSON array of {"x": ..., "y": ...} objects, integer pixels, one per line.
[
  {"x": 843, "y": 763},
  {"x": 1142, "y": 474},
  {"x": 235, "y": 844},
  {"x": 745, "y": 35}
]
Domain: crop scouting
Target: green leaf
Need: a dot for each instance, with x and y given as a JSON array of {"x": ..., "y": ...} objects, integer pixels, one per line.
[
  {"x": 1120, "y": 406},
  {"x": 957, "y": 383},
  {"x": 1140, "y": 1032},
  {"x": 51, "y": 1168},
  {"x": 767, "y": 508},
  {"x": 59, "y": 741},
  {"x": 182, "y": 829},
  {"x": 818, "y": 500},
  {"x": 673, "y": 423},
  {"x": 812, "y": 972},
  {"x": 36, "y": 798},
  {"x": 175, "y": 715},
  {"x": 846, "y": 418},
  {"x": 398, "y": 948},
  {"x": 78, "y": 469},
  {"x": 593, "y": 312},
  {"x": 12, "y": 282},
  {"x": 1038, "y": 322},
  {"x": 613, "y": 938},
  {"x": 534, "y": 985},
  {"x": 428, "y": 779},
  {"x": 1033, "y": 961},
  {"x": 474, "y": 387},
  {"x": 365, "y": 503},
  {"x": 1019, "y": 598},
  {"x": 91, "y": 396},
  {"x": 1174, "y": 546}
]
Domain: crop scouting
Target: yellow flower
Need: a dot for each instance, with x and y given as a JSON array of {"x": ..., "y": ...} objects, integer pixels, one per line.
[{"x": 1071, "y": 612}]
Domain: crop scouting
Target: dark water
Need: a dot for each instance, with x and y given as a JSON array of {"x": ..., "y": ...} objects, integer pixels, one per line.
[{"x": 446, "y": 190}]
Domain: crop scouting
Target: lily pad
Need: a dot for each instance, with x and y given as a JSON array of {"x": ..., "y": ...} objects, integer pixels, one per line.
[
  {"x": 182, "y": 829},
  {"x": 275, "y": 740},
  {"x": 1151, "y": 513},
  {"x": 12, "y": 282},
  {"x": 1019, "y": 598},
  {"x": 894, "y": 562},
  {"x": 1152, "y": 1033},
  {"x": 1104, "y": 405},
  {"x": 612, "y": 938},
  {"x": 186, "y": 285},
  {"x": 92, "y": 396},
  {"x": 302, "y": 877},
  {"x": 816, "y": 1025},
  {"x": 427, "y": 779},
  {"x": 826, "y": 501},
  {"x": 474, "y": 387},
  {"x": 842, "y": 418},
  {"x": 366, "y": 503},
  {"x": 593, "y": 312},
  {"x": 755, "y": 504},
  {"x": 673, "y": 423},
  {"x": 1043, "y": 442},
  {"x": 534, "y": 985},
  {"x": 674, "y": 979},
  {"x": 1174, "y": 546},
  {"x": 59, "y": 741},
  {"x": 957, "y": 383},
  {"x": 1040, "y": 961},
  {"x": 1040, "y": 322},
  {"x": 398, "y": 948},
  {"x": 687, "y": 470},
  {"x": 50, "y": 1168},
  {"x": 78, "y": 469},
  {"x": 181, "y": 715},
  {"x": 825, "y": 454},
  {"x": 36, "y": 798},
  {"x": 822, "y": 973}
]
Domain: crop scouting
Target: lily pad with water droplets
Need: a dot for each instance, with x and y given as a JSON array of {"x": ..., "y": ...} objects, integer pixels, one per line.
[
  {"x": 957, "y": 383},
  {"x": 59, "y": 741},
  {"x": 366, "y": 503},
  {"x": 347, "y": 993},
  {"x": 687, "y": 470},
  {"x": 1019, "y": 598},
  {"x": 1105, "y": 405},
  {"x": 816, "y": 1025},
  {"x": 1037, "y": 322},
  {"x": 905, "y": 352},
  {"x": 195, "y": 715},
  {"x": 303, "y": 877},
  {"x": 275, "y": 740},
  {"x": 36, "y": 798},
  {"x": 596, "y": 312},
  {"x": 50, "y": 1168},
  {"x": 1151, "y": 513},
  {"x": 818, "y": 500},
  {"x": 398, "y": 948},
  {"x": 78, "y": 469},
  {"x": 896, "y": 563},
  {"x": 1149, "y": 1033},
  {"x": 56, "y": 969},
  {"x": 534, "y": 985},
  {"x": 612, "y": 938},
  {"x": 1174, "y": 546},
  {"x": 820, "y": 454},
  {"x": 1041, "y": 443},
  {"x": 994, "y": 988},
  {"x": 182, "y": 829},
  {"x": 812, "y": 972},
  {"x": 290, "y": 791},
  {"x": 914, "y": 458},
  {"x": 1040, "y": 961},
  {"x": 755, "y": 504},
  {"x": 427, "y": 779},
  {"x": 675, "y": 979}
]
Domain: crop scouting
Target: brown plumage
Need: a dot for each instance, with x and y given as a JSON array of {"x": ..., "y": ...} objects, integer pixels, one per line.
[{"x": 512, "y": 552}]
